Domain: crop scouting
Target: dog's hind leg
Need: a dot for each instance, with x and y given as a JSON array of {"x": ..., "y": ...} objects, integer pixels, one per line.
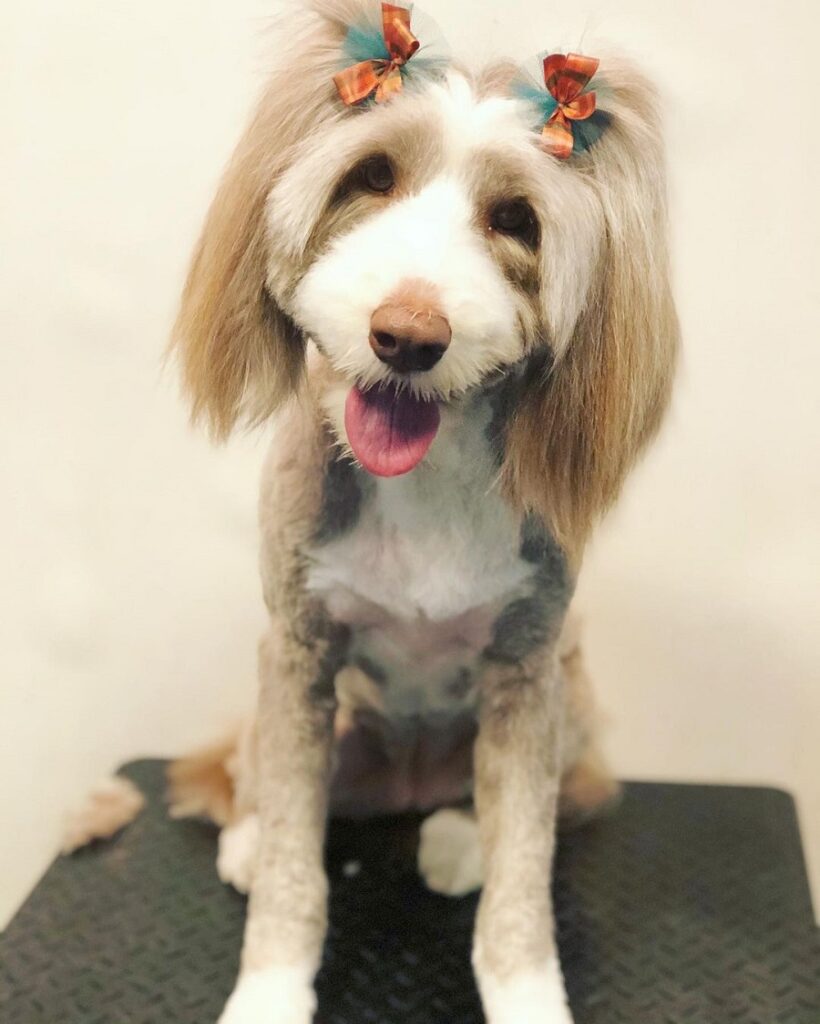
[
  {"x": 201, "y": 784},
  {"x": 587, "y": 787}
]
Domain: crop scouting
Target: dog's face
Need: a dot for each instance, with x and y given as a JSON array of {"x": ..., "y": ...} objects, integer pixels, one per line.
[
  {"x": 437, "y": 203},
  {"x": 426, "y": 245},
  {"x": 420, "y": 246}
]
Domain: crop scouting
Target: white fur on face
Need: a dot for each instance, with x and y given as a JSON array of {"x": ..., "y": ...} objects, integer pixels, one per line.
[{"x": 429, "y": 236}]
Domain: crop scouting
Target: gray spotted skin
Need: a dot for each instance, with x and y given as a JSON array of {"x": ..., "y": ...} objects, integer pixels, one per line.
[
  {"x": 538, "y": 547},
  {"x": 372, "y": 669},
  {"x": 460, "y": 685},
  {"x": 335, "y": 639},
  {"x": 501, "y": 399},
  {"x": 504, "y": 394},
  {"x": 530, "y": 622},
  {"x": 521, "y": 628},
  {"x": 344, "y": 491}
]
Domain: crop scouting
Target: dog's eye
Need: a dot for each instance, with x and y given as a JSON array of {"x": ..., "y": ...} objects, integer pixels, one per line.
[
  {"x": 515, "y": 217},
  {"x": 377, "y": 174}
]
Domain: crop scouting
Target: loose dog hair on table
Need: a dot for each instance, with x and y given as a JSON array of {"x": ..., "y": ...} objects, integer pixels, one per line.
[{"x": 452, "y": 286}]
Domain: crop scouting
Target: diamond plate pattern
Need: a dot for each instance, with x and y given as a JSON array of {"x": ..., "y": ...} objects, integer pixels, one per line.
[{"x": 688, "y": 906}]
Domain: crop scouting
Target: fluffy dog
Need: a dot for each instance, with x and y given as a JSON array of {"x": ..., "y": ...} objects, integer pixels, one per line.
[{"x": 471, "y": 340}]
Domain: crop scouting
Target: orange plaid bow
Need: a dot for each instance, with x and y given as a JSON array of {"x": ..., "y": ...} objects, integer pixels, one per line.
[
  {"x": 379, "y": 75},
  {"x": 566, "y": 76}
]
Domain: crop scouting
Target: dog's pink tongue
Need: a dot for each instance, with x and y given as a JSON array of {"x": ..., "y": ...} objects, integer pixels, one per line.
[{"x": 389, "y": 432}]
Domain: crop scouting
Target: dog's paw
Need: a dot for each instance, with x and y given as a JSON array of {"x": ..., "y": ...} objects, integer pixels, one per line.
[
  {"x": 276, "y": 995},
  {"x": 532, "y": 997},
  {"x": 238, "y": 847},
  {"x": 450, "y": 853}
]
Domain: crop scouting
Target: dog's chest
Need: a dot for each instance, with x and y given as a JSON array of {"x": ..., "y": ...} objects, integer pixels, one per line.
[{"x": 422, "y": 572}]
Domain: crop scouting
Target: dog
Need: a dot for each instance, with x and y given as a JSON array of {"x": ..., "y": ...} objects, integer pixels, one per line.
[{"x": 464, "y": 324}]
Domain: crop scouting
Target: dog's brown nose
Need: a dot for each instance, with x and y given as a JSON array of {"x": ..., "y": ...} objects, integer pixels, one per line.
[{"x": 409, "y": 332}]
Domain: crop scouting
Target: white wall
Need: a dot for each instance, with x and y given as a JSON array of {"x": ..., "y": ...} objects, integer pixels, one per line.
[{"x": 130, "y": 604}]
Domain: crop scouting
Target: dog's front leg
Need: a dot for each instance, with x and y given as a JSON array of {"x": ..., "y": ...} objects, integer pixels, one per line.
[
  {"x": 287, "y": 910},
  {"x": 517, "y": 774}
]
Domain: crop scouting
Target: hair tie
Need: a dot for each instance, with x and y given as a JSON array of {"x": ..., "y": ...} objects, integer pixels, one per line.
[
  {"x": 569, "y": 117},
  {"x": 566, "y": 77},
  {"x": 380, "y": 75}
]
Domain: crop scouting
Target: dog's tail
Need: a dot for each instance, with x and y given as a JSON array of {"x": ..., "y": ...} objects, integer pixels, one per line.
[
  {"x": 110, "y": 805},
  {"x": 203, "y": 784},
  {"x": 199, "y": 785}
]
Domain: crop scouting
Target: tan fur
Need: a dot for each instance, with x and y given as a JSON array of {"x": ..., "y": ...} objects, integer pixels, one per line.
[
  {"x": 110, "y": 806},
  {"x": 201, "y": 784},
  {"x": 587, "y": 789},
  {"x": 587, "y": 785},
  {"x": 581, "y": 729},
  {"x": 496, "y": 78},
  {"x": 584, "y": 422}
]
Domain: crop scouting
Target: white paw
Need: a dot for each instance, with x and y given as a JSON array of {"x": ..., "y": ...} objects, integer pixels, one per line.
[
  {"x": 450, "y": 853},
  {"x": 532, "y": 997},
  {"x": 276, "y": 995},
  {"x": 238, "y": 848}
]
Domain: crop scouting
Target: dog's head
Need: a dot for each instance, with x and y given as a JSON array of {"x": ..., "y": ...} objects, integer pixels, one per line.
[{"x": 426, "y": 245}]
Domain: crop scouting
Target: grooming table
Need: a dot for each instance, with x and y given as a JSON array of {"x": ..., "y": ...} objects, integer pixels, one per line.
[{"x": 688, "y": 905}]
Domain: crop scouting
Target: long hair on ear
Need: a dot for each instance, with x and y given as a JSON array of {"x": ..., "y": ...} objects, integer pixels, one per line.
[
  {"x": 584, "y": 419},
  {"x": 240, "y": 354}
]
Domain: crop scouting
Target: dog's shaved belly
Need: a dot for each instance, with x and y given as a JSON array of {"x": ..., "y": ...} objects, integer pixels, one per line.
[
  {"x": 407, "y": 711},
  {"x": 430, "y": 573},
  {"x": 388, "y": 765}
]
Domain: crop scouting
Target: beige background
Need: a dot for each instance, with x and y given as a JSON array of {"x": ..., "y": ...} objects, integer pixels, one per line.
[{"x": 130, "y": 603}]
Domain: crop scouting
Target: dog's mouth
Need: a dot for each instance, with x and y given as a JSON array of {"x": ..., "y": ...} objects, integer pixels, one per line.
[{"x": 390, "y": 430}]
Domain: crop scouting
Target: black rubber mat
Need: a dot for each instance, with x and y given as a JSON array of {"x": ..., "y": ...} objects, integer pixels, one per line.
[{"x": 689, "y": 904}]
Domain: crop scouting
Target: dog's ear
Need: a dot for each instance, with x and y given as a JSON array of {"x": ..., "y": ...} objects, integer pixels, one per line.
[
  {"x": 240, "y": 353},
  {"x": 584, "y": 419}
]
